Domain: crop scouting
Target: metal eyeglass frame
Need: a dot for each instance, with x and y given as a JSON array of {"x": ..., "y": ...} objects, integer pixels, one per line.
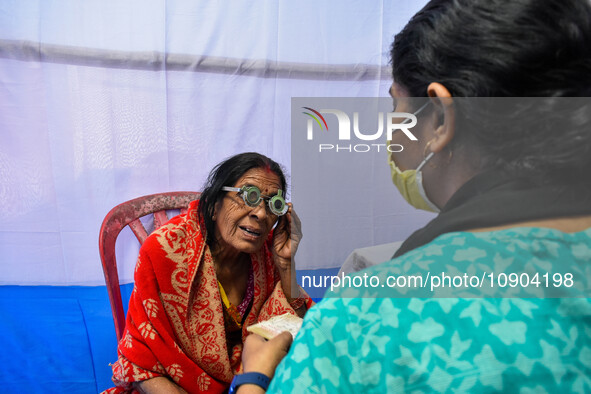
[{"x": 246, "y": 191}]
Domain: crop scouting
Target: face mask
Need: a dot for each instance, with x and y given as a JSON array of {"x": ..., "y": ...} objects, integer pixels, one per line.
[
  {"x": 410, "y": 185},
  {"x": 410, "y": 182}
]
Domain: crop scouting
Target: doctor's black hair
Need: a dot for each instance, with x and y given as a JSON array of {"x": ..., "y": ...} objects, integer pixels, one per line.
[{"x": 507, "y": 48}]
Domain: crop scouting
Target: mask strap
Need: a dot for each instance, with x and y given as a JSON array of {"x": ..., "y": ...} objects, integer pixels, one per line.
[
  {"x": 423, "y": 193},
  {"x": 407, "y": 120},
  {"x": 422, "y": 108},
  {"x": 425, "y": 160}
]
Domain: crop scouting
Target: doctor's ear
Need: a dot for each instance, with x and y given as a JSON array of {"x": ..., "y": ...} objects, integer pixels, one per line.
[{"x": 446, "y": 117}]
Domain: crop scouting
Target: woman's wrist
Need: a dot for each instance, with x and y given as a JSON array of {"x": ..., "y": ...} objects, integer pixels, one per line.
[
  {"x": 292, "y": 291},
  {"x": 283, "y": 264},
  {"x": 286, "y": 278}
]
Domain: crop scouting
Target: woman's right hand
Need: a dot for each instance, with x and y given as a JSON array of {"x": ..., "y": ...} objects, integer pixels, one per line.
[{"x": 286, "y": 238}]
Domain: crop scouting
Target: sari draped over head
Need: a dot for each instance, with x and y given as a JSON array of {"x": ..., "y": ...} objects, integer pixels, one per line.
[{"x": 175, "y": 324}]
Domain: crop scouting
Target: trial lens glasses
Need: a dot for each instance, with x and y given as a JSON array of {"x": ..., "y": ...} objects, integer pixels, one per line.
[{"x": 252, "y": 197}]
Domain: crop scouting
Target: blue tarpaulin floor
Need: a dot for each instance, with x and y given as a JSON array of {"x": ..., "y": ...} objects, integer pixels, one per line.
[{"x": 57, "y": 339}]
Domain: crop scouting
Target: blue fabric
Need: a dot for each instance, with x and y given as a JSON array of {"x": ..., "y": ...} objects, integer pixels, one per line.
[
  {"x": 370, "y": 344},
  {"x": 317, "y": 293},
  {"x": 56, "y": 339}
]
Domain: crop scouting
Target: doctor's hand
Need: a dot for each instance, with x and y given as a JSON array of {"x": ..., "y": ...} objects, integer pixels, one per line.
[{"x": 260, "y": 355}]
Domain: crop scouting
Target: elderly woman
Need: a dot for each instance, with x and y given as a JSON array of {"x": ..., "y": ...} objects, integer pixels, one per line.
[
  {"x": 204, "y": 277},
  {"x": 512, "y": 196}
]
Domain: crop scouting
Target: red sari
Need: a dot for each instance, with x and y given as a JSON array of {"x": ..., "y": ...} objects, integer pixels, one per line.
[{"x": 175, "y": 322}]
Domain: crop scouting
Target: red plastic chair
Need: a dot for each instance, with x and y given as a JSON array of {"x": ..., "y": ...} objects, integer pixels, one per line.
[{"x": 129, "y": 213}]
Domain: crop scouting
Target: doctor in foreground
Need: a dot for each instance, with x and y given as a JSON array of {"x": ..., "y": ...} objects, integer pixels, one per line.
[{"x": 510, "y": 180}]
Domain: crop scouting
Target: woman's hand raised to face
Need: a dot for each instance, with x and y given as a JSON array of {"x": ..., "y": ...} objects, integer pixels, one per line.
[{"x": 286, "y": 238}]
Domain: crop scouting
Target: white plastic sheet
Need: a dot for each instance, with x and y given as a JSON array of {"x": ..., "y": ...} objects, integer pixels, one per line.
[{"x": 104, "y": 101}]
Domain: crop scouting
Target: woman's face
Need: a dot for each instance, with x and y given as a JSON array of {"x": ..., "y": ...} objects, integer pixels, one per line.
[
  {"x": 240, "y": 227},
  {"x": 413, "y": 153}
]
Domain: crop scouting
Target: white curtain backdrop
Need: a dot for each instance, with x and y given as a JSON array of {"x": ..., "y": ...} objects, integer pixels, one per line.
[{"x": 103, "y": 101}]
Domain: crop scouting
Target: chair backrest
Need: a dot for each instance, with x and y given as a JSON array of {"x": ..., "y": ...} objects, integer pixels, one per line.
[{"x": 129, "y": 213}]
